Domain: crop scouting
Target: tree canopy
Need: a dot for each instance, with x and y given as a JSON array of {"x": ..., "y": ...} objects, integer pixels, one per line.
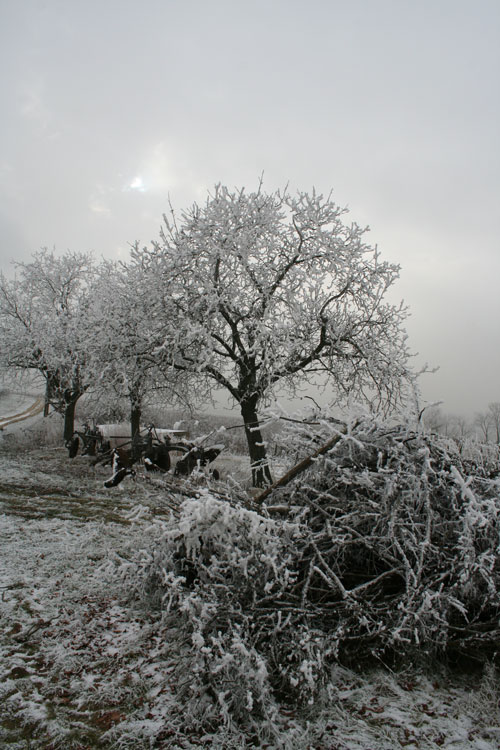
[
  {"x": 44, "y": 324},
  {"x": 126, "y": 336},
  {"x": 266, "y": 290}
]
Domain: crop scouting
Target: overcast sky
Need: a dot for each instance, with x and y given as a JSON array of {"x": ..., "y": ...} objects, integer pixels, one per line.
[{"x": 111, "y": 106}]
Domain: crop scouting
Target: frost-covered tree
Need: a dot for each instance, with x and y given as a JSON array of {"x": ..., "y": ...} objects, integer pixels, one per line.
[
  {"x": 482, "y": 421},
  {"x": 494, "y": 415},
  {"x": 458, "y": 427},
  {"x": 267, "y": 291},
  {"x": 434, "y": 419},
  {"x": 126, "y": 335},
  {"x": 488, "y": 423},
  {"x": 43, "y": 314},
  {"x": 119, "y": 353}
]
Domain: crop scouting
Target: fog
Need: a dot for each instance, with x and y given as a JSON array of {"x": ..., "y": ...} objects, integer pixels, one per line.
[{"x": 111, "y": 110}]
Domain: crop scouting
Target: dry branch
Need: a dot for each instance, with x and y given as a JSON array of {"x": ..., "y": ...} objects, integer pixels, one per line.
[
  {"x": 388, "y": 551},
  {"x": 299, "y": 468}
]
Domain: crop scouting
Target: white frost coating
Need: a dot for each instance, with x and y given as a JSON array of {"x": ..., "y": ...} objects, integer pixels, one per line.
[{"x": 57, "y": 570}]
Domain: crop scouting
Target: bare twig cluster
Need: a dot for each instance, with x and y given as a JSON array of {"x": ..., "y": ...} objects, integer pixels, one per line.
[{"x": 401, "y": 544}]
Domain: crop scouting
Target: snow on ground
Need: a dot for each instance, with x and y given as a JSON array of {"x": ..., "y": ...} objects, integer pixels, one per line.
[
  {"x": 20, "y": 417},
  {"x": 82, "y": 666}
]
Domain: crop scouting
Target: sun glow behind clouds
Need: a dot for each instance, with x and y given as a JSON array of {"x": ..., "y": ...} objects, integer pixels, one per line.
[
  {"x": 156, "y": 172},
  {"x": 137, "y": 185}
]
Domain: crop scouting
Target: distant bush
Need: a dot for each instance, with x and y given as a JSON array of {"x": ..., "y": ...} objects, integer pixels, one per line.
[{"x": 389, "y": 551}]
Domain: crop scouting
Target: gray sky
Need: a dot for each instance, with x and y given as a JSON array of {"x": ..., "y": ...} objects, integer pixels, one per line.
[{"x": 110, "y": 106}]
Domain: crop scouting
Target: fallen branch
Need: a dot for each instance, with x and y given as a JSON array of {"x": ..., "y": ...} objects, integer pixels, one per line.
[{"x": 299, "y": 468}]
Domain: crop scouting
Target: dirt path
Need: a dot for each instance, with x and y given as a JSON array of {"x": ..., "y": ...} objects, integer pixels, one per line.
[{"x": 31, "y": 411}]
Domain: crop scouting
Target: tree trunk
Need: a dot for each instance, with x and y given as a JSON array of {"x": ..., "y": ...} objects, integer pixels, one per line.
[
  {"x": 50, "y": 390},
  {"x": 69, "y": 398},
  {"x": 46, "y": 404},
  {"x": 69, "y": 418},
  {"x": 261, "y": 473},
  {"x": 135, "y": 425},
  {"x": 135, "y": 420}
]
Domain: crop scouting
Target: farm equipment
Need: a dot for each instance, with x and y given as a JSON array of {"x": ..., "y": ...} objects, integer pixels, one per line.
[
  {"x": 153, "y": 446},
  {"x": 93, "y": 442}
]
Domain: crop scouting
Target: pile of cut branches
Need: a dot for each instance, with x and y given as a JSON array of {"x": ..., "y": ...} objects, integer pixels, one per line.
[
  {"x": 389, "y": 550},
  {"x": 401, "y": 551}
]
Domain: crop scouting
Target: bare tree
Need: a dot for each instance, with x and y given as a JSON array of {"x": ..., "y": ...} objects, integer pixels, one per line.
[
  {"x": 434, "y": 419},
  {"x": 458, "y": 427},
  {"x": 494, "y": 414},
  {"x": 482, "y": 421},
  {"x": 259, "y": 291}
]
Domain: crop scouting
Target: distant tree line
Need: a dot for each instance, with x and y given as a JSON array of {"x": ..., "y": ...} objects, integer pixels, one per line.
[{"x": 485, "y": 426}]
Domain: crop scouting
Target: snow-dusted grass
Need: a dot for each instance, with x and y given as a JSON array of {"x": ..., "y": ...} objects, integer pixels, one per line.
[
  {"x": 13, "y": 401},
  {"x": 27, "y": 429},
  {"x": 83, "y": 665}
]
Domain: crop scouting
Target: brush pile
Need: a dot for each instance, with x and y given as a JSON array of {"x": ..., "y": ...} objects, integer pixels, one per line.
[
  {"x": 389, "y": 551},
  {"x": 401, "y": 552}
]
